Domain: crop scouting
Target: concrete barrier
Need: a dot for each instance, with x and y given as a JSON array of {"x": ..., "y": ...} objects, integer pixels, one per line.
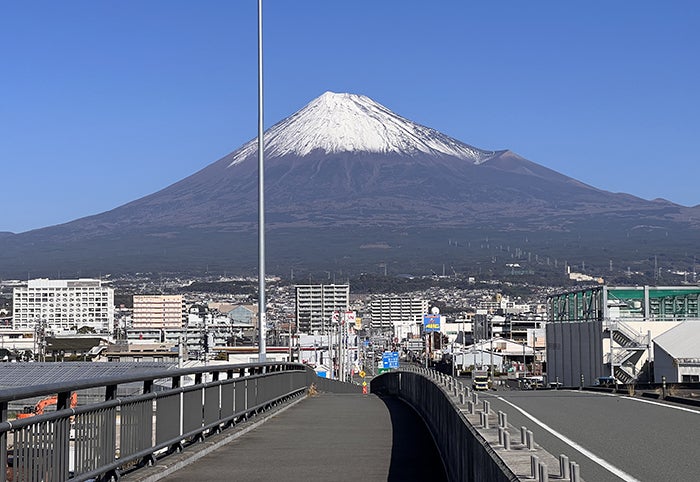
[{"x": 465, "y": 453}]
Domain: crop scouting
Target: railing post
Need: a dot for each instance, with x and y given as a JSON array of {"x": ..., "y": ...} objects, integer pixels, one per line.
[
  {"x": 3, "y": 442},
  {"x": 530, "y": 440},
  {"x": 111, "y": 392},
  {"x": 564, "y": 466},
  {"x": 575, "y": 472},
  {"x": 147, "y": 386},
  {"x": 534, "y": 464},
  {"x": 62, "y": 400},
  {"x": 506, "y": 439}
]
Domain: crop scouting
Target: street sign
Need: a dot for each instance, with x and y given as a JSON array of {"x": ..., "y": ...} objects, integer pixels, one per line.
[
  {"x": 362, "y": 374},
  {"x": 390, "y": 359}
]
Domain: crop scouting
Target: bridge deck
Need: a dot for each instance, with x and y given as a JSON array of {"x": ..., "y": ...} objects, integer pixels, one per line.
[{"x": 328, "y": 437}]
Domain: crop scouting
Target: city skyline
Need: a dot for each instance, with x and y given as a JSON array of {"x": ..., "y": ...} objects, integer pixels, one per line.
[{"x": 106, "y": 103}]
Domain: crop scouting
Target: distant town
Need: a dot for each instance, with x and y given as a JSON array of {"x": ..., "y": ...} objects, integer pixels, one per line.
[{"x": 341, "y": 329}]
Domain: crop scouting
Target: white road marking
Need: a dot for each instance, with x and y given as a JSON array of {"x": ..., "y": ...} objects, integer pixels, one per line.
[
  {"x": 665, "y": 405},
  {"x": 603, "y": 463}
]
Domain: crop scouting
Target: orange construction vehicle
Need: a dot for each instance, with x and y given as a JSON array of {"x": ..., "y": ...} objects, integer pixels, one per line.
[{"x": 38, "y": 409}]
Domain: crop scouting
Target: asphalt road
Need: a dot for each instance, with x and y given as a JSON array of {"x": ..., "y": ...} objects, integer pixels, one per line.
[
  {"x": 329, "y": 437},
  {"x": 618, "y": 437}
]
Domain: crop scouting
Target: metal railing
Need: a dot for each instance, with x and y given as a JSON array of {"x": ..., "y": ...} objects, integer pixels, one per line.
[
  {"x": 475, "y": 443},
  {"x": 101, "y": 440}
]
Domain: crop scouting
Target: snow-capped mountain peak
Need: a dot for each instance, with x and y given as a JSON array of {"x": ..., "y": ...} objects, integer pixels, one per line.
[{"x": 334, "y": 123}]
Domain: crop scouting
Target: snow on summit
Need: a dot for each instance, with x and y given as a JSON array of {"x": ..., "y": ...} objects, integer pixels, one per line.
[{"x": 334, "y": 123}]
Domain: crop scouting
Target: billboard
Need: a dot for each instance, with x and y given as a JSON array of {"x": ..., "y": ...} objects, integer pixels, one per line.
[{"x": 431, "y": 323}]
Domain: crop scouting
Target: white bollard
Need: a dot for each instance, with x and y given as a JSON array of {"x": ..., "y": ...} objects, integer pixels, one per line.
[
  {"x": 534, "y": 463},
  {"x": 564, "y": 466}
]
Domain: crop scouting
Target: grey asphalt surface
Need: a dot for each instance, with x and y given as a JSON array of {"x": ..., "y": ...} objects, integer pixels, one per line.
[
  {"x": 328, "y": 437},
  {"x": 646, "y": 441}
]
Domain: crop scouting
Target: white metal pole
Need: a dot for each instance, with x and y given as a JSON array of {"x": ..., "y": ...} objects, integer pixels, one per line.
[{"x": 262, "y": 324}]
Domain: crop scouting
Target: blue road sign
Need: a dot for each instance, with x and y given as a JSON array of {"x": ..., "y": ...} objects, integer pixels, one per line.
[{"x": 390, "y": 359}]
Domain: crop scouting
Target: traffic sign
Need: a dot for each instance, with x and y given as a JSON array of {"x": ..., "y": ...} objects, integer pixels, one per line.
[
  {"x": 390, "y": 359},
  {"x": 362, "y": 374}
]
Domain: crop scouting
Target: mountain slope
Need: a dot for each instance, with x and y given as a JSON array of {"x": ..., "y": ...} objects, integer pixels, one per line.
[{"x": 344, "y": 163}]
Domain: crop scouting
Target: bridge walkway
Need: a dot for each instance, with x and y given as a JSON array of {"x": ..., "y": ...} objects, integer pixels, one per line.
[{"x": 327, "y": 437}]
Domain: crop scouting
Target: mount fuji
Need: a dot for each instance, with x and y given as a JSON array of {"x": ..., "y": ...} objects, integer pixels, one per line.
[{"x": 350, "y": 184}]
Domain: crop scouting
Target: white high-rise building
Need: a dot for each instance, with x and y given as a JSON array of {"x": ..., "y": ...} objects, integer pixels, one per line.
[
  {"x": 63, "y": 305},
  {"x": 402, "y": 315},
  {"x": 315, "y": 305}
]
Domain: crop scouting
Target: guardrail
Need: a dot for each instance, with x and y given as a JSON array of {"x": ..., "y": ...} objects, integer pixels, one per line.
[
  {"x": 475, "y": 443},
  {"x": 173, "y": 408}
]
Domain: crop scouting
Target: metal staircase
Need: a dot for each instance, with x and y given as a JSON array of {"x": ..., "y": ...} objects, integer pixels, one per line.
[{"x": 628, "y": 346}]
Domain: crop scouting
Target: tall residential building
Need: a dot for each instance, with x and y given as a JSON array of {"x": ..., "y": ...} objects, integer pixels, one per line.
[
  {"x": 63, "y": 305},
  {"x": 159, "y": 312},
  {"x": 315, "y": 305},
  {"x": 402, "y": 315}
]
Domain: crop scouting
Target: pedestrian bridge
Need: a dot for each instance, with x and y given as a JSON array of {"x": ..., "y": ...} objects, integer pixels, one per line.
[{"x": 265, "y": 422}]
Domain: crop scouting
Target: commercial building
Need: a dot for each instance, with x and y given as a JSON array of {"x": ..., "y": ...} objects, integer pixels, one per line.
[
  {"x": 609, "y": 330},
  {"x": 63, "y": 306},
  {"x": 677, "y": 354},
  {"x": 158, "y": 312},
  {"x": 315, "y": 305}
]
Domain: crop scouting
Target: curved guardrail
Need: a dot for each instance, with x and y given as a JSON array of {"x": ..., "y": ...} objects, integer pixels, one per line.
[
  {"x": 100, "y": 441},
  {"x": 474, "y": 443}
]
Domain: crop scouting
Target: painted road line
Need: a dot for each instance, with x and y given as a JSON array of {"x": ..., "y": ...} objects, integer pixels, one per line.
[
  {"x": 665, "y": 405},
  {"x": 598, "y": 460}
]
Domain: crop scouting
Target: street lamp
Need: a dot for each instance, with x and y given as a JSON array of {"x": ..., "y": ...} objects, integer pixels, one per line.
[{"x": 262, "y": 352}]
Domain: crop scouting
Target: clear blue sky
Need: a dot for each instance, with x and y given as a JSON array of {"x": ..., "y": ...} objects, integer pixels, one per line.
[{"x": 103, "y": 102}]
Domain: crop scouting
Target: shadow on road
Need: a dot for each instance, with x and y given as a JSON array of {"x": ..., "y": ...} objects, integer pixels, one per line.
[{"x": 414, "y": 455}]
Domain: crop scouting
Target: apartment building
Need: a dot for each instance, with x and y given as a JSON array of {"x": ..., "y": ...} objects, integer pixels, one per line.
[
  {"x": 63, "y": 306},
  {"x": 159, "y": 312},
  {"x": 402, "y": 315},
  {"x": 315, "y": 305}
]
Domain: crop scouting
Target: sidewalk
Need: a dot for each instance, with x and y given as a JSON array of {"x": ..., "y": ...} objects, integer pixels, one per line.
[{"x": 328, "y": 437}]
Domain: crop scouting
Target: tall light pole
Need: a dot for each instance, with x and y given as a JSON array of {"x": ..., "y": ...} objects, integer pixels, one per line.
[{"x": 262, "y": 325}]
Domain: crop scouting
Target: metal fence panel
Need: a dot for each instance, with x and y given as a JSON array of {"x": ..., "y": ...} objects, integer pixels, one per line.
[
  {"x": 227, "y": 399},
  {"x": 240, "y": 393},
  {"x": 41, "y": 452},
  {"x": 251, "y": 390},
  {"x": 136, "y": 427},
  {"x": 167, "y": 418},
  {"x": 211, "y": 405},
  {"x": 192, "y": 410},
  {"x": 95, "y": 439}
]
